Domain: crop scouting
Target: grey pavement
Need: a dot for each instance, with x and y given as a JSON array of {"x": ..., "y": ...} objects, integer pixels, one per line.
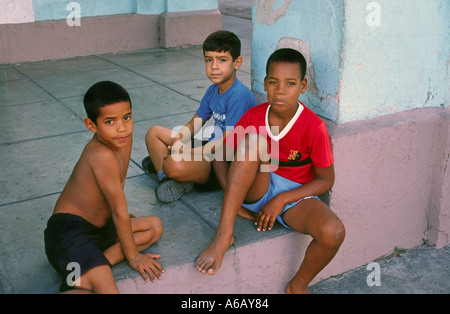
[
  {"x": 42, "y": 134},
  {"x": 421, "y": 270}
]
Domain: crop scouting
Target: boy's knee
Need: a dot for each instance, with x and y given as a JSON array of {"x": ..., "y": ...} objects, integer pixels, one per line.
[
  {"x": 159, "y": 228},
  {"x": 155, "y": 224},
  {"x": 172, "y": 169},
  {"x": 332, "y": 234},
  {"x": 153, "y": 132}
]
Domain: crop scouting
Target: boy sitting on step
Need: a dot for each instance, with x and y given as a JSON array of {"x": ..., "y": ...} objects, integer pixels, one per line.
[{"x": 282, "y": 162}]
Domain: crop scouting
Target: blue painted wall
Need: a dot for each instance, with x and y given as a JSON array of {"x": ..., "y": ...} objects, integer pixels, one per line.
[
  {"x": 57, "y": 9},
  {"x": 401, "y": 64},
  {"x": 151, "y": 6},
  {"x": 362, "y": 69},
  {"x": 318, "y": 23},
  {"x": 191, "y": 5}
]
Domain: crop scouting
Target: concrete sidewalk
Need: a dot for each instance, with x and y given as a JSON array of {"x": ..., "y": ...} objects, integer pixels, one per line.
[
  {"x": 42, "y": 135},
  {"x": 422, "y": 270}
]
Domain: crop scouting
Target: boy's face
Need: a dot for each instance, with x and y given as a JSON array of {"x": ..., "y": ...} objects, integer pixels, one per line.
[
  {"x": 114, "y": 125},
  {"x": 220, "y": 67},
  {"x": 284, "y": 85}
]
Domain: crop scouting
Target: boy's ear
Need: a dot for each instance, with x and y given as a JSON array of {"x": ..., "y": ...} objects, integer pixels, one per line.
[
  {"x": 90, "y": 125},
  {"x": 304, "y": 85},
  {"x": 265, "y": 84},
  {"x": 238, "y": 62}
]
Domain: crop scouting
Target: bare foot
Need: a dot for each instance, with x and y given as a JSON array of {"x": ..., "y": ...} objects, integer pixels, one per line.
[
  {"x": 292, "y": 288},
  {"x": 247, "y": 214},
  {"x": 211, "y": 258}
]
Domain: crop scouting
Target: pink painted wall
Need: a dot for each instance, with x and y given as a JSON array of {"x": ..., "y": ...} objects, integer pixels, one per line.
[
  {"x": 16, "y": 11},
  {"x": 439, "y": 213},
  {"x": 392, "y": 183},
  {"x": 56, "y": 40}
]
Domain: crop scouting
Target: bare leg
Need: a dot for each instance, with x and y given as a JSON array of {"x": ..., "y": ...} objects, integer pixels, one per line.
[
  {"x": 194, "y": 170},
  {"x": 157, "y": 140},
  {"x": 314, "y": 218},
  {"x": 99, "y": 279},
  {"x": 245, "y": 181},
  {"x": 247, "y": 214},
  {"x": 146, "y": 231}
]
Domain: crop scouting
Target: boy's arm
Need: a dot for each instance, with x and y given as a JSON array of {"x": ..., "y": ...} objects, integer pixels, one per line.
[
  {"x": 211, "y": 147},
  {"x": 189, "y": 130},
  {"x": 108, "y": 179},
  {"x": 321, "y": 184},
  {"x": 107, "y": 175}
]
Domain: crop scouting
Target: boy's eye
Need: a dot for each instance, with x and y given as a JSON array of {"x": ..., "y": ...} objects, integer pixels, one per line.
[
  {"x": 291, "y": 83},
  {"x": 109, "y": 122},
  {"x": 127, "y": 118}
]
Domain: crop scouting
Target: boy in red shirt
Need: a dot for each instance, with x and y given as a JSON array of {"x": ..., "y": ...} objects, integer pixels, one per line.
[{"x": 290, "y": 140}]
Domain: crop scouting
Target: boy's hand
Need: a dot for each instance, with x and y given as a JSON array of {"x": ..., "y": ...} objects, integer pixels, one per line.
[
  {"x": 176, "y": 148},
  {"x": 268, "y": 214},
  {"x": 145, "y": 264}
]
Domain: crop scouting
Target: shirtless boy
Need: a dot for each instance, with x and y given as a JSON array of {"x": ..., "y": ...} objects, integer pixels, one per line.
[
  {"x": 288, "y": 193},
  {"x": 90, "y": 224}
]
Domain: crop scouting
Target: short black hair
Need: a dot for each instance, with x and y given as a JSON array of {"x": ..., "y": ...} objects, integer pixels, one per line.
[
  {"x": 223, "y": 41},
  {"x": 102, "y": 94},
  {"x": 288, "y": 55}
]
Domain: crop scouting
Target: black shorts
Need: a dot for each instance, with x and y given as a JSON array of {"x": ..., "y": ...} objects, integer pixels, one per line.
[
  {"x": 70, "y": 238},
  {"x": 212, "y": 184}
]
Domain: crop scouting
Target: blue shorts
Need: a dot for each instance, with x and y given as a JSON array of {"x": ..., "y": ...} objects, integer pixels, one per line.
[{"x": 278, "y": 184}]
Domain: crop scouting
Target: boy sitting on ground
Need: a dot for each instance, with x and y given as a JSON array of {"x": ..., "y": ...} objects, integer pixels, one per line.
[
  {"x": 90, "y": 224},
  {"x": 171, "y": 157}
]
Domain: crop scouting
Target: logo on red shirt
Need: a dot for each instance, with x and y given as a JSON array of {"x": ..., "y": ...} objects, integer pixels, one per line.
[{"x": 295, "y": 156}]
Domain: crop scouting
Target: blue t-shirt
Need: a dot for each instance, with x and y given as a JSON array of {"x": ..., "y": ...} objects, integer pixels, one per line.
[{"x": 227, "y": 108}]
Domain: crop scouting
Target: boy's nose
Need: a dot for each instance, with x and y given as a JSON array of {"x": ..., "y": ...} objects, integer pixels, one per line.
[
  {"x": 280, "y": 89},
  {"x": 121, "y": 127}
]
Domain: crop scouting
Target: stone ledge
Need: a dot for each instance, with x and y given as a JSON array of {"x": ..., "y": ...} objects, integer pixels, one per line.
[{"x": 56, "y": 40}]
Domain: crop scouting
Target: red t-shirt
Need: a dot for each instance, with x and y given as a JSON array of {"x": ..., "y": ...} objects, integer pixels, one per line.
[{"x": 304, "y": 139}]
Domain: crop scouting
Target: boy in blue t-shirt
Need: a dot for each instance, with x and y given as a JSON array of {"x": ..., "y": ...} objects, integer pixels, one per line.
[{"x": 171, "y": 155}]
